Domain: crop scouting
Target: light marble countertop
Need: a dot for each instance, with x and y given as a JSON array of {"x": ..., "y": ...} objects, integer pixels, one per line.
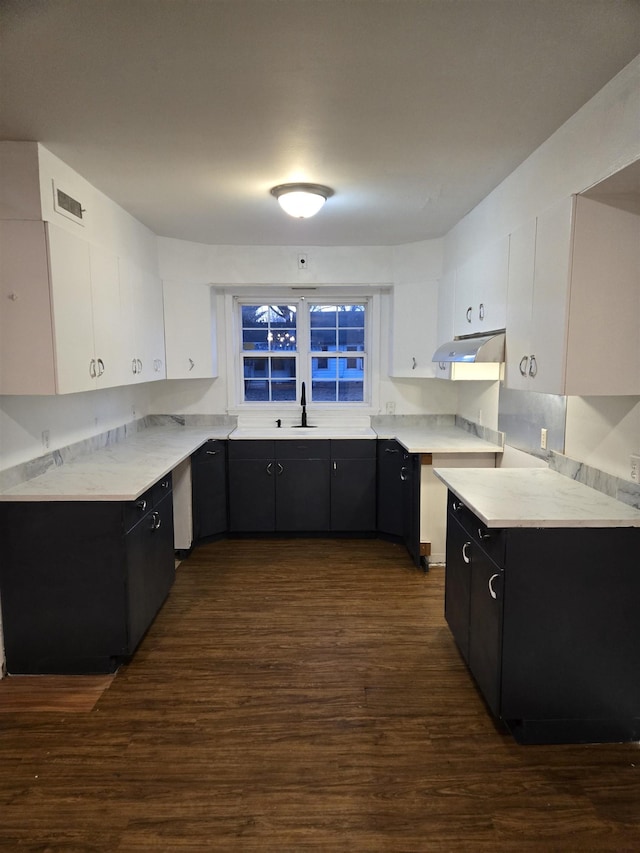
[
  {"x": 534, "y": 497},
  {"x": 119, "y": 472},
  {"x": 441, "y": 439},
  {"x": 122, "y": 471}
]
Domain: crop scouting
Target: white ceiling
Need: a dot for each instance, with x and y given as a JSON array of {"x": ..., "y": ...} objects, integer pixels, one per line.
[{"x": 187, "y": 112}]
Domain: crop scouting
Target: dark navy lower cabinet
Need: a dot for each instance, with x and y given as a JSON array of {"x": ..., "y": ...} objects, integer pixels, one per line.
[
  {"x": 546, "y": 619},
  {"x": 81, "y": 581}
]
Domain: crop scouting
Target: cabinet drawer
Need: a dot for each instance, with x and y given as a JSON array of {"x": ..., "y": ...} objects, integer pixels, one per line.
[
  {"x": 311, "y": 448},
  {"x": 133, "y": 511},
  {"x": 349, "y": 448},
  {"x": 492, "y": 540},
  {"x": 161, "y": 489},
  {"x": 212, "y": 448},
  {"x": 259, "y": 449}
]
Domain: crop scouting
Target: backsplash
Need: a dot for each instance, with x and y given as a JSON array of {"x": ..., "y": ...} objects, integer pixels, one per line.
[
  {"x": 622, "y": 490},
  {"x": 521, "y": 416}
]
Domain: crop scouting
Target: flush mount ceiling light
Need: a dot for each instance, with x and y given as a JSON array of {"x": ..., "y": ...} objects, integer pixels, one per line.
[{"x": 301, "y": 200}]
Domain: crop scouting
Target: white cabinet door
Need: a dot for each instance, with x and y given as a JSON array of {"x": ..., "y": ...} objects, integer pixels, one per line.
[
  {"x": 481, "y": 291},
  {"x": 603, "y": 351},
  {"x": 112, "y": 368},
  {"x": 26, "y": 335},
  {"x": 72, "y": 313},
  {"x": 414, "y": 330},
  {"x": 550, "y": 307},
  {"x": 519, "y": 307},
  {"x": 446, "y": 307},
  {"x": 189, "y": 329},
  {"x": 143, "y": 322}
]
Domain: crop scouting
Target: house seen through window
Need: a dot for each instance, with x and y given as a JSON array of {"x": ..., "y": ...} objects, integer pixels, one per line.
[{"x": 322, "y": 344}]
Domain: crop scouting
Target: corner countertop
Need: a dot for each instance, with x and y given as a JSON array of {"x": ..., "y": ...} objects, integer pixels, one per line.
[
  {"x": 440, "y": 439},
  {"x": 119, "y": 472},
  {"x": 534, "y": 497}
]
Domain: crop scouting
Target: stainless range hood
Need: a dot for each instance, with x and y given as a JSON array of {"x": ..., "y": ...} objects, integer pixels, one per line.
[{"x": 472, "y": 350}]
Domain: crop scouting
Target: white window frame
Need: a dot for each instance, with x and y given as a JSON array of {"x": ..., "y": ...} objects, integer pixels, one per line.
[{"x": 235, "y": 298}]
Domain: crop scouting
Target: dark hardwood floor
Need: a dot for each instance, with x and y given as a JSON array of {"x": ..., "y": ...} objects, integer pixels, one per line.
[{"x": 299, "y": 695}]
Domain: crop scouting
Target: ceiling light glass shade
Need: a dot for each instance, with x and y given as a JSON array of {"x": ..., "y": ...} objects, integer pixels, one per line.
[{"x": 301, "y": 200}]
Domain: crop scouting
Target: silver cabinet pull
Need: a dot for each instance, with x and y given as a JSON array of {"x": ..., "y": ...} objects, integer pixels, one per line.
[
  {"x": 524, "y": 364},
  {"x": 280, "y": 468},
  {"x": 415, "y": 363},
  {"x": 403, "y": 474},
  {"x": 156, "y": 521},
  {"x": 139, "y": 365},
  {"x": 456, "y": 506},
  {"x": 192, "y": 364},
  {"x": 142, "y": 504},
  {"x": 442, "y": 365},
  {"x": 468, "y": 314},
  {"x": 270, "y": 468},
  {"x": 391, "y": 450},
  {"x": 100, "y": 367},
  {"x": 481, "y": 311},
  {"x": 212, "y": 452},
  {"x": 483, "y": 534},
  {"x": 533, "y": 366},
  {"x": 465, "y": 555},
  {"x": 492, "y": 591},
  {"x": 92, "y": 368},
  {"x": 134, "y": 365}
]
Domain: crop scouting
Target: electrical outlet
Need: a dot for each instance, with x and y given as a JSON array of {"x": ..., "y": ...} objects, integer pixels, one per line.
[
  {"x": 303, "y": 262},
  {"x": 391, "y": 408},
  {"x": 45, "y": 439},
  {"x": 543, "y": 438},
  {"x": 635, "y": 468}
]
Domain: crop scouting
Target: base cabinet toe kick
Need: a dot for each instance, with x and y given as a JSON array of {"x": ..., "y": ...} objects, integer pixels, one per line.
[
  {"x": 546, "y": 620},
  {"x": 82, "y": 581}
]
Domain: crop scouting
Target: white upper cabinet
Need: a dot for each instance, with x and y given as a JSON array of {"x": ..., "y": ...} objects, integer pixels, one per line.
[
  {"x": 481, "y": 291},
  {"x": 189, "y": 329},
  {"x": 414, "y": 330},
  {"x": 143, "y": 323},
  {"x": 573, "y": 324}
]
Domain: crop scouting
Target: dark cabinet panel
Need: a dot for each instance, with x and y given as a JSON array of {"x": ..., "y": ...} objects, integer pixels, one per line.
[
  {"x": 549, "y": 629},
  {"x": 80, "y": 595},
  {"x": 209, "y": 489},
  {"x": 410, "y": 477},
  {"x": 390, "y": 487},
  {"x": 302, "y": 495},
  {"x": 252, "y": 494},
  {"x": 353, "y": 495}
]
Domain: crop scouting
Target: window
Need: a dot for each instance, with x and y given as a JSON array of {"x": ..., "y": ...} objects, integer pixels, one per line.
[{"x": 284, "y": 345}]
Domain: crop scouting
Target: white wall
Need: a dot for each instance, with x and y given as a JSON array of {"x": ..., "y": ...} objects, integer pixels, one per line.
[{"x": 599, "y": 140}]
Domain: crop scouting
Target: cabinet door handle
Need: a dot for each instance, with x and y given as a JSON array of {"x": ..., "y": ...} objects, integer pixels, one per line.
[
  {"x": 100, "y": 367},
  {"x": 139, "y": 362},
  {"x": 192, "y": 364},
  {"x": 533, "y": 366},
  {"x": 280, "y": 468},
  {"x": 335, "y": 468},
  {"x": 456, "y": 506},
  {"x": 156, "y": 521},
  {"x": 492, "y": 591},
  {"x": 164, "y": 484},
  {"x": 212, "y": 452},
  {"x": 403, "y": 474},
  {"x": 524, "y": 364},
  {"x": 415, "y": 363},
  {"x": 465, "y": 555},
  {"x": 483, "y": 534},
  {"x": 134, "y": 365},
  {"x": 142, "y": 504},
  {"x": 92, "y": 368},
  {"x": 481, "y": 311},
  {"x": 468, "y": 314},
  {"x": 270, "y": 468},
  {"x": 391, "y": 450},
  {"x": 442, "y": 365}
]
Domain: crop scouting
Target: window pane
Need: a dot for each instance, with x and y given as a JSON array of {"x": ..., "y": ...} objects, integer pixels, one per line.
[
  {"x": 351, "y": 339},
  {"x": 283, "y": 391},
  {"x": 323, "y": 340},
  {"x": 255, "y": 392},
  {"x": 323, "y": 392},
  {"x": 256, "y": 367},
  {"x": 351, "y": 315},
  {"x": 269, "y": 327},
  {"x": 322, "y": 316},
  {"x": 283, "y": 368}
]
